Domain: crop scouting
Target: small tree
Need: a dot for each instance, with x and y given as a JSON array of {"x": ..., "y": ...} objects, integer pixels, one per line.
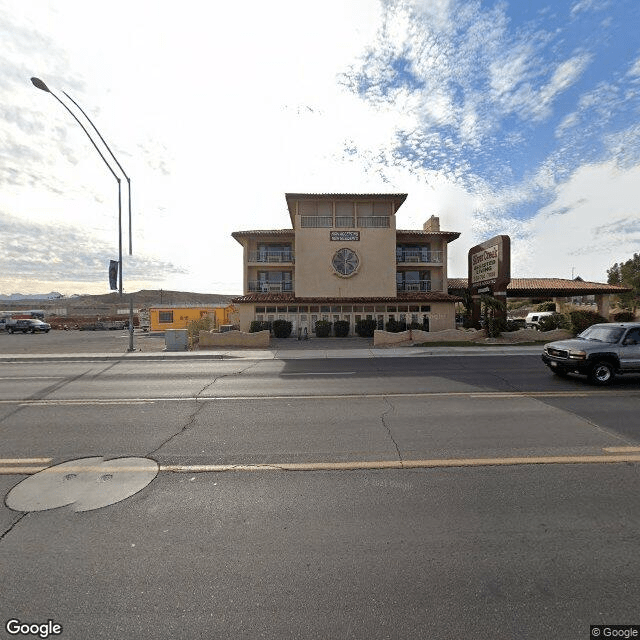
[
  {"x": 581, "y": 320},
  {"x": 546, "y": 306},
  {"x": 494, "y": 324},
  {"x": 203, "y": 324},
  {"x": 627, "y": 274}
]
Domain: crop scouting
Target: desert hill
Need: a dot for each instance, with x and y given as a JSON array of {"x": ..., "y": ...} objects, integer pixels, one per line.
[{"x": 108, "y": 303}]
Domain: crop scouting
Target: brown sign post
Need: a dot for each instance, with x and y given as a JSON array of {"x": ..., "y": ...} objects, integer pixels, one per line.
[{"x": 489, "y": 273}]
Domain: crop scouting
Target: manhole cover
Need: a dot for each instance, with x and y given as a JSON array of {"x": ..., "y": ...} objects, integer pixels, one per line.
[{"x": 88, "y": 483}]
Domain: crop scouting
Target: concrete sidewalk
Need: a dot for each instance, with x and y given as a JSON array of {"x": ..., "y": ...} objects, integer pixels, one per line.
[{"x": 280, "y": 354}]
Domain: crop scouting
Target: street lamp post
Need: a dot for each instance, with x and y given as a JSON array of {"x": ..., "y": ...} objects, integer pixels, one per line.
[{"x": 39, "y": 84}]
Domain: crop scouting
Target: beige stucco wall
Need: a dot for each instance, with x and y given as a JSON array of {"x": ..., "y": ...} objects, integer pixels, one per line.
[
  {"x": 246, "y": 313},
  {"x": 442, "y": 316},
  {"x": 376, "y": 275},
  {"x": 383, "y": 338},
  {"x": 234, "y": 339}
]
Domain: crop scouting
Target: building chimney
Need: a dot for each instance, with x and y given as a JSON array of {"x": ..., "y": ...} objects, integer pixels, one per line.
[{"x": 432, "y": 224}]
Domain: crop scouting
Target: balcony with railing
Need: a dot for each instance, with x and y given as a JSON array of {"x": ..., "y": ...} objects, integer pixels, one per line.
[
  {"x": 261, "y": 286},
  {"x": 374, "y": 222},
  {"x": 316, "y": 222},
  {"x": 417, "y": 256},
  {"x": 345, "y": 222},
  {"x": 414, "y": 285},
  {"x": 271, "y": 257}
]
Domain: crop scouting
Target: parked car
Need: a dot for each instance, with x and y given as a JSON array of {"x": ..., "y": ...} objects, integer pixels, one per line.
[
  {"x": 29, "y": 326},
  {"x": 532, "y": 321},
  {"x": 600, "y": 352}
]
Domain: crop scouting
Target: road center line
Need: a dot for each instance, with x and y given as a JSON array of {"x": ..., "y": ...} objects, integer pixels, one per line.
[
  {"x": 361, "y": 465},
  {"x": 402, "y": 464}
]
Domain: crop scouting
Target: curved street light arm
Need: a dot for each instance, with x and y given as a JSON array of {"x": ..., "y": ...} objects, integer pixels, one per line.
[{"x": 104, "y": 142}]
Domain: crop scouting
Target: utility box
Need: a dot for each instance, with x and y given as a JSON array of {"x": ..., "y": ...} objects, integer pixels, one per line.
[{"x": 176, "y": 340}]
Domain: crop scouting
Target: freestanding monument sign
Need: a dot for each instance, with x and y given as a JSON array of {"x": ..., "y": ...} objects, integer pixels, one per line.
[{"x": 489, "y": 272}]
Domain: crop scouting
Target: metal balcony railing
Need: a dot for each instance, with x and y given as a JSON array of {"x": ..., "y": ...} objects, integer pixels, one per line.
[
  {"x": 259, "y": 286},
  {"x": 374, "y": 222},
  {"x": 271, "y": 256},
  {"x": 415, "y": 256},
  {"x": 345, "y": 222},
  {"x": 414, "y": 285},
  {"x": 316, "y": 222}
]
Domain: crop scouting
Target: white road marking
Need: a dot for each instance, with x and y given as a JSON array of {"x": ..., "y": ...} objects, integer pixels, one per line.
[
  {"x": 23, "y": 460},
  {"x": 12, "y": 378},
  {"x": 473, "y": 395},
  {"x": 321, "y": 373}
]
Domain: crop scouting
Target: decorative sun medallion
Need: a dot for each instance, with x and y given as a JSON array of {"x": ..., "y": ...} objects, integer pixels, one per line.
[{"x": 345, "y": 262}]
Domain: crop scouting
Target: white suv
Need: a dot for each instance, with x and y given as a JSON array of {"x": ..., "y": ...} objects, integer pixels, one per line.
[{"x": 532, "y": 321}]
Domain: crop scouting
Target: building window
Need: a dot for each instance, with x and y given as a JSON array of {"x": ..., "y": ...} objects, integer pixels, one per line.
[
  {"x": 345, "y": 215},
  {"x": 413, "y": 253},
  {"x": 274, "y": 281},
  {"x": 413, "y": 280},
  {"x": 274, "y": 253},
  {"x": 165, "y": 317}
]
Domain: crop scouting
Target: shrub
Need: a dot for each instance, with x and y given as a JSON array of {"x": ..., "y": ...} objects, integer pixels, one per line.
[
  {"x": 341, "y": 328},
  {"x": 514, "y": 325},
  {"x": 395, "y": 326},
  {"x": 365, "y": 328},
  {"x": 323, "y": 329},
  {"x": 495, "y": 326},
  {"x": 581, "y": 320},
  {"x": 556, "y": 321},
  {"x": 196, "y": 326},
  {"x": 624, "y": 316},
  {"x": 546, "y": 306},
  {"x": 259, "y": 325},
  {"x": 282, "y": 328},
  {"x": 415, "y": 325}
]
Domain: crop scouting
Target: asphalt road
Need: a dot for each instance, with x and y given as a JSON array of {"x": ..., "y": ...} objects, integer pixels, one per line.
[{"x": 488, "y": 545}]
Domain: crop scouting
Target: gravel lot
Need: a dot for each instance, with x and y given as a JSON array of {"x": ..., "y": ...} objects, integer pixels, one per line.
[
  {"x": 57, "y": 341},
  {"x": 79, "y": 342}
]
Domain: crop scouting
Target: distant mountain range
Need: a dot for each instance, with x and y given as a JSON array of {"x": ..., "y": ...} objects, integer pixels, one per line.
[
  {"x": 54, "y": 295},
  {"x": 144, "y": 298}
]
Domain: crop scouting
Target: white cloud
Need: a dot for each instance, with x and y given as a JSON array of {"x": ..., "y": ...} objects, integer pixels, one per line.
[
  {"x": 564, "y": 75},
  {"x": 216, "y": 110},
  {"x": 635, "y": 69},
  {"x": 588, "y": 5},
  {"x": 586, "y": 227}
]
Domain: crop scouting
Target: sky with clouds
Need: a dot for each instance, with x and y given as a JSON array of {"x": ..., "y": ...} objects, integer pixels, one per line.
[{"x": 500, "y": 117}]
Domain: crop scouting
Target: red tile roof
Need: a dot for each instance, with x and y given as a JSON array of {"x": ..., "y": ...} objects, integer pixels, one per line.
[
  {"x": 290, "y": 298},
  {"x": 413, "y": 234},
  {"x": 263, "y": 232},
  {"x": 527, "y": 287}
]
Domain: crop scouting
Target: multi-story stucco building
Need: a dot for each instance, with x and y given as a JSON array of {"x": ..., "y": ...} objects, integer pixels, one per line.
[{"x": 344, "y": 259}]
